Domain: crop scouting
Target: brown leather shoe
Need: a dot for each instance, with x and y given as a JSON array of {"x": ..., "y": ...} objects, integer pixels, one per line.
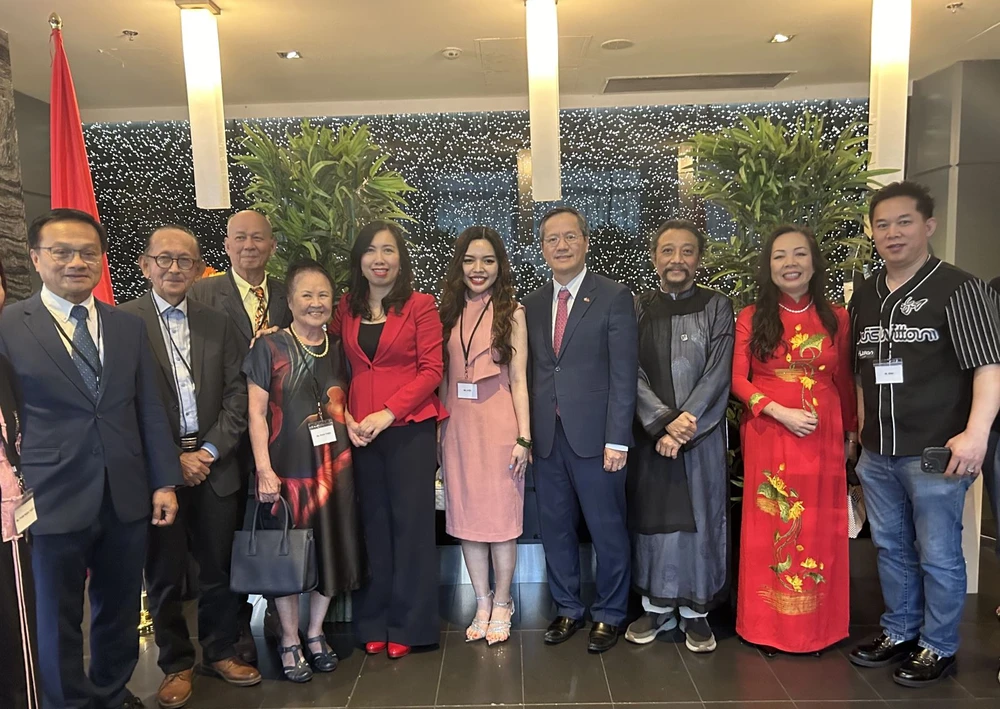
[
  {"x": 235, "y": 671},
  {"x": 175, "y": 690}
]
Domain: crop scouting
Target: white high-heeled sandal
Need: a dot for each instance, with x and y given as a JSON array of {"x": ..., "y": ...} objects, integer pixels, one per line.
[
  {"x": 478, "y": 628},
  {"x": 501, "y": 626}
]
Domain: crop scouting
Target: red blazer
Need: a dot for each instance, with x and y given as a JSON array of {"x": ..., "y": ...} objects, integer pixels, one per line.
[{"x": 408, "y": 364}]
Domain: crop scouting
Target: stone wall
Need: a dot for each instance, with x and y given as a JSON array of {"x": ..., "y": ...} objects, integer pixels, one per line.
[{"x": 13, "y": 233}]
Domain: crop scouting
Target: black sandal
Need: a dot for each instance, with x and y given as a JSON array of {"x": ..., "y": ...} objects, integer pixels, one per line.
[
  {"x": 299, "y": 672},
  {"x": 325, "y": 661}
]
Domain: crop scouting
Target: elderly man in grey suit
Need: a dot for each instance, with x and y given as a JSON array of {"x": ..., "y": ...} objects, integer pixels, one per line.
[
  {"x": 583, "y": 342},
  {"x": 199, "y": 356},
  {"x": 254, "y": 301}
]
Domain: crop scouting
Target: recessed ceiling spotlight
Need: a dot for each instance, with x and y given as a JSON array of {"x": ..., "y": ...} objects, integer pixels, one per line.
[
  {"x": 615, "y": 44},
  {"x": 290, "y": 55},
  {"x": 781, "y": 38},
  {"x": 954, "y": 6},
  {"x": 451, "y": 52}
]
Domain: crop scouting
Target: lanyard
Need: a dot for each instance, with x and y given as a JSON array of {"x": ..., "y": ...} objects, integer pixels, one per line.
[
  {"x": 95, "y": 369},
  {"x": 467, "y": 348},
  {"x": 173, "y": 369},
  {"x": 309, "y": 356}
]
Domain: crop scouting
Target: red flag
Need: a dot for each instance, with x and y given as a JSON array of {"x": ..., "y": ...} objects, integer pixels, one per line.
[{"x": 72, "y": 186}]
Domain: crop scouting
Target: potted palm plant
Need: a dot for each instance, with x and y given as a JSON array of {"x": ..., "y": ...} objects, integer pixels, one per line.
[{"x": 319, "y": 187}]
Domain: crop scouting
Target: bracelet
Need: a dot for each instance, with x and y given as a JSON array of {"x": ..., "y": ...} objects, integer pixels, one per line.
[{"x": 523, "y": 442}]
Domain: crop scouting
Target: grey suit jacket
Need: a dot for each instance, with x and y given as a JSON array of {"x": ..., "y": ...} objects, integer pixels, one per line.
[
  {"x": 221, "y": 293},
  {"x": 220, "y": 388},
  {"x": 593, "y": 380}
]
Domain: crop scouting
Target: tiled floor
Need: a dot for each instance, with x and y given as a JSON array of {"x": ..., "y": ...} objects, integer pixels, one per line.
[{"x": 526, "y": 673}]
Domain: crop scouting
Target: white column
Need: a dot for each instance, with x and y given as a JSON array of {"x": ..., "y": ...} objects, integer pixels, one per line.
[
  {"x": 890, "y": 85},
  {"x": 542, "y": 33}
]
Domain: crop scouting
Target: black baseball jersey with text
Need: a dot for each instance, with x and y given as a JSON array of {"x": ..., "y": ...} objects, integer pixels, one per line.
[{"x": 942, "y": 324}]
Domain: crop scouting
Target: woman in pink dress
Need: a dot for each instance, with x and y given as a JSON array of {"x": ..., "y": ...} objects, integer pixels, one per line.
[{"x": 485, "y": 443}]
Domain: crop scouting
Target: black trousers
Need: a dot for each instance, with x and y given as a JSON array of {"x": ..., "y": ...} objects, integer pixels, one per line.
[
  {"x": 204, "y": 527},
  {"x": 113, "y": 552},
  {"x": 395, "y": 480},
  {"x": 13, "y": 684}
]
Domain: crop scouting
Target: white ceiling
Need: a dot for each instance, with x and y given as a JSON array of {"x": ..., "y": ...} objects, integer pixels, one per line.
[{"x": 389, "y": 50}]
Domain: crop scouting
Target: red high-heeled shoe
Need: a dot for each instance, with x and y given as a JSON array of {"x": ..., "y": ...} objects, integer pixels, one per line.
[
  {"x": 397, "y": 651},
  {"x": 374, "y": 648}
]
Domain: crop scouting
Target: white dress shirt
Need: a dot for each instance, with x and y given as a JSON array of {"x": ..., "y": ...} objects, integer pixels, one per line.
[
  {"x": 573, "y": 287},
  {"x": 248, "y": 297},
  {"x": 61, "y": 308}
]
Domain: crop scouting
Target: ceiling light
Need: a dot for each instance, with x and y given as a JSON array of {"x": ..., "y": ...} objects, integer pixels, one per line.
[
  {"x": 290, "y": 55},
  {"x": 782, "y": 38}
]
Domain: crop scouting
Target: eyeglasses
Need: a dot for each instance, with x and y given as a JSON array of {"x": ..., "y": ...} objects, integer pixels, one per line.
[
  {"x": 64, "y": 254},
  {"x": 165, "y": 261},
  {"x": 570, "y": 238}
]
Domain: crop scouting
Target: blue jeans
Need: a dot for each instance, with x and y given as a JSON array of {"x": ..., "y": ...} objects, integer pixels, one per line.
[
  {"x": 991, "y": 478},
  {"x": 916, "y": 523}
]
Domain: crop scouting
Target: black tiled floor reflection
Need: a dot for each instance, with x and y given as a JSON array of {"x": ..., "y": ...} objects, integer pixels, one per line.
[{"x": 525, "y": 673}]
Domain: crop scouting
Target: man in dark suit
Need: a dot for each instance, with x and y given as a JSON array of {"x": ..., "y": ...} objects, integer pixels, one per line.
[
  {"x": 97, "y": 452},
  {"x": 254, "y": 301},
  {"x": 199, "y": 355},
  {"x": 583, "y": 341}
]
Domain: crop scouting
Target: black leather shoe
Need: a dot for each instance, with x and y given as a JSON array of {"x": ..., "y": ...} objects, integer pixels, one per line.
[
  {"x": 133, "y": 702},
  {"x": 561, "y": 629},
  {"x": 923, "y": 667},
  {"x": 602, "y": 637},
  {"x": 881, "y": 651}
]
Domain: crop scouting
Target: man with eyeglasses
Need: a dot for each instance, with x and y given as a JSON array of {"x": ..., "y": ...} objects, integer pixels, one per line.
[
  {"x": 584, "y": 364},
  {"x": 96, "y": 451},
  {"x": 255, "y": 302},
  {"x": 199, "y": 356}
]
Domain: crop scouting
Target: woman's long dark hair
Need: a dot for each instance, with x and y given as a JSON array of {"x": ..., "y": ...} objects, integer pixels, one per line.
[
  {"x": 454, "y": 289},
  {"x": 402, "y": 289},
  {"x": 3, "y": 282},
  {"x": 767, "y": 332}
]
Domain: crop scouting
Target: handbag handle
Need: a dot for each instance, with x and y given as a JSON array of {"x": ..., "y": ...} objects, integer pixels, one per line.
[{"x": 283, "y": 548}]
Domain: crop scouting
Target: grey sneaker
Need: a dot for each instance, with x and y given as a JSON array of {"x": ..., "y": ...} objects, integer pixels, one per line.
[
  {"x": 648, "y": 626},
  {"x": 699, "y": 634}
]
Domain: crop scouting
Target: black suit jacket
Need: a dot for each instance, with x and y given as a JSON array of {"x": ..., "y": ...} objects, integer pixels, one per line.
[
  {"x": 71, "y": 442},
  {"x": 221, "y": 293},
  {"x": 220, "y": 388},
  {"x": 594, "y": 378}
]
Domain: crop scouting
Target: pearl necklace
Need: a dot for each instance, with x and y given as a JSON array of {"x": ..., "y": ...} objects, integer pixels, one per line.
[
  {"x": 801, "y": 310},
  {"x": 305, "y": 347}
]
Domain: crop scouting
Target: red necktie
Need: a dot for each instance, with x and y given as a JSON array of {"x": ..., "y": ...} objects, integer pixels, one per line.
[{"x": 562, "y": 315}]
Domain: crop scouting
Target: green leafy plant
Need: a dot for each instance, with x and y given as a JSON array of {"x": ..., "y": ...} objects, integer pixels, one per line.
[
  {"x": 765, "y": 174},
  {"x": 318, "y": 188}
]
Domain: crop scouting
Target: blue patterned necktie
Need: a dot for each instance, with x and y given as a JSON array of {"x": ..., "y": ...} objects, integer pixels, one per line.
[{"x": 85, "y": 354}]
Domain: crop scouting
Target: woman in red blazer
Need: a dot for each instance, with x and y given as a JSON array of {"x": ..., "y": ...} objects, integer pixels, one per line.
[{"x": 392, "y": 340}]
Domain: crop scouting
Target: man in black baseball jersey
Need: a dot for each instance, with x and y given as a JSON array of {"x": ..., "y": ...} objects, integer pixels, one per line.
[{"x": 928, "y": 363}]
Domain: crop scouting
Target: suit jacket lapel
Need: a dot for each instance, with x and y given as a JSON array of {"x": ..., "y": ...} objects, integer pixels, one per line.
[
  {"x": 147, "y": 311},
  {"x": 393, "y": 324},
  {"x": 234, "y": 305},
  {"x": 40, "y": 322},
  {"x": 109, "y": 334},
  {"x": 580, "y": 306},
  {"x": 277, "y": 303},
  {"x": 198, "y": 334}
]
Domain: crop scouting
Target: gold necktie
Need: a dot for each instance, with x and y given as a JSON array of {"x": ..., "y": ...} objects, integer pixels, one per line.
[{"x": 260, "y": 322}]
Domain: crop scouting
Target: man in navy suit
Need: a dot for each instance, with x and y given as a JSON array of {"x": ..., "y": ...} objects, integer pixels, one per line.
[
  {"x": 96, "y": 450},
  {"x": 583, "y": 342}
]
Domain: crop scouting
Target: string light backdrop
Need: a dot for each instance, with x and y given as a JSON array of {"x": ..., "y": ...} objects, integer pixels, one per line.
[{"x": 620, "y": 168}]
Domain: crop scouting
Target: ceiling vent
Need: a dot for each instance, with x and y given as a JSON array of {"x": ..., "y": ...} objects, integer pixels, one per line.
[{"x": 693, "y": 82}]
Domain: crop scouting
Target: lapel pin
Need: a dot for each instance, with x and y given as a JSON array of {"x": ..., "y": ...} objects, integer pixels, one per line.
[{"x": 586, "y": 300}]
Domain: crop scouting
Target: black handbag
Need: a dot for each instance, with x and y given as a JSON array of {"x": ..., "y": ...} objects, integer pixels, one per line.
[{"x": 273, "y": 562}]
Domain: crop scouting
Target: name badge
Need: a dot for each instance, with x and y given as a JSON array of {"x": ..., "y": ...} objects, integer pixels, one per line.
[
  {"x": 24, "y": 513},
  {"x": 468, "y": 390},
  {"x": 322, "y": 432},
  {"x": 889, "y": 371}
]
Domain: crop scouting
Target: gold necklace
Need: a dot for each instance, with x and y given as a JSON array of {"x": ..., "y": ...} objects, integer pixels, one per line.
[{"x": 305, "y": 347}]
